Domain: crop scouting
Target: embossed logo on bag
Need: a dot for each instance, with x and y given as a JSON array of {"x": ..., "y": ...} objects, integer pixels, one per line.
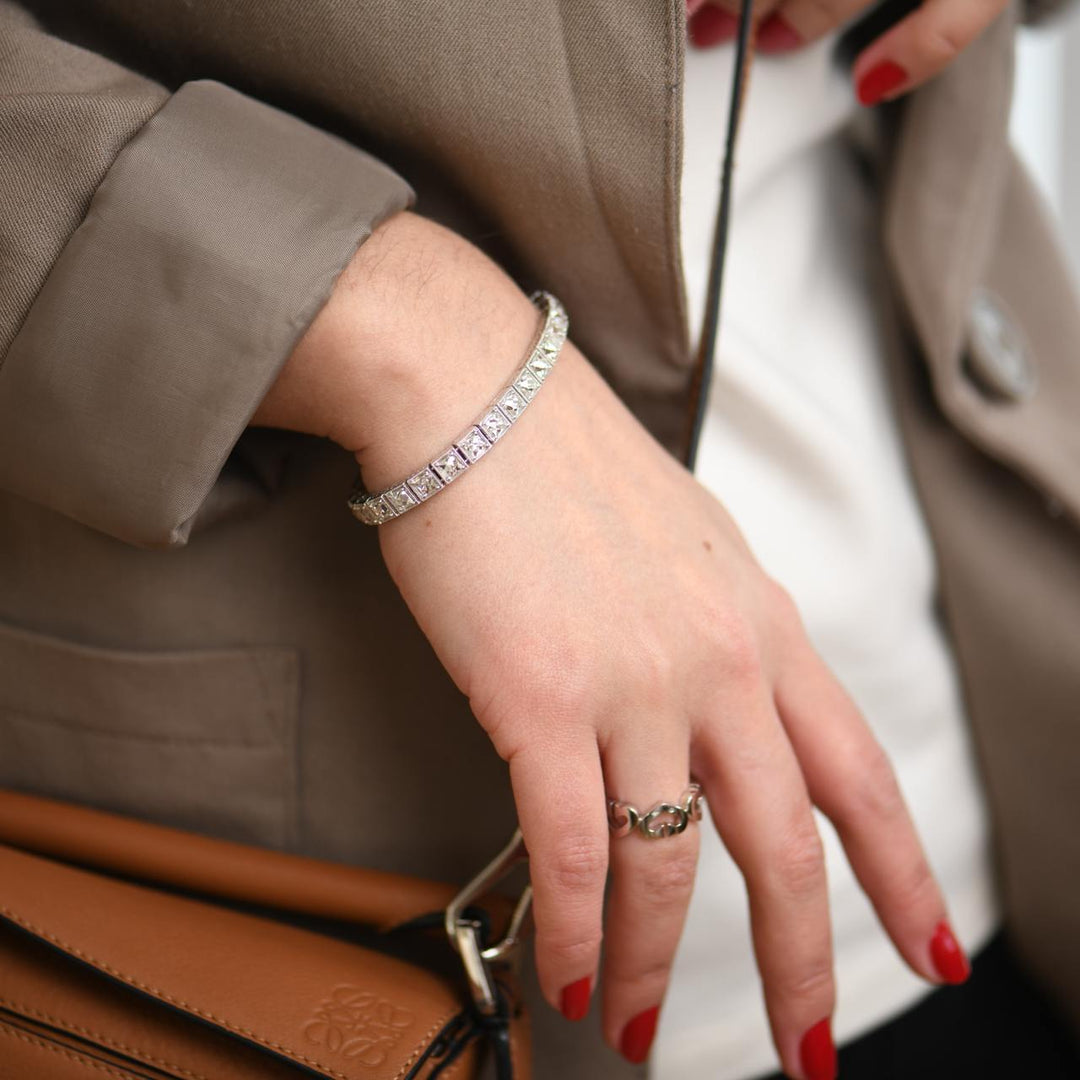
[{"x": 358, "y": 1025}]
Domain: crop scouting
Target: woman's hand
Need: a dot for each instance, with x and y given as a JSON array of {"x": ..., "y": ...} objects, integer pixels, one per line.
[
  {"x": 912, "y": 51},
  {"x": 614, "y": 635}
]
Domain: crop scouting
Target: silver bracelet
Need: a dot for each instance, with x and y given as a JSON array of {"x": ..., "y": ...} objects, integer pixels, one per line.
[{"x": 475, "y": 441}]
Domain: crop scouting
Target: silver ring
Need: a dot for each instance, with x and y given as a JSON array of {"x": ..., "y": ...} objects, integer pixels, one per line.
[{"x": 664, "y": 819}]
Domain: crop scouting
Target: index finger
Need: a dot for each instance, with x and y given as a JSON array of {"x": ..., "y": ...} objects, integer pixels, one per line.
[{"x": 559, "y": 793}]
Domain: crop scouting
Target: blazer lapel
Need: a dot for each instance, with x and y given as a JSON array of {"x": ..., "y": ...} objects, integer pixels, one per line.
[
  {"x": 945, "y": 188},
  {"x": 620, "y": 269}
]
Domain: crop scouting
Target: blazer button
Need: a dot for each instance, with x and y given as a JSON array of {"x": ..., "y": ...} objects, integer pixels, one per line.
[{"x": 998, "y": 359}]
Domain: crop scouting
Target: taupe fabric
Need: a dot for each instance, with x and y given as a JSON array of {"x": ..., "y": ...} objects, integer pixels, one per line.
[
  {"x": 958, "y": 212},
  {"x": 206, "y": 251},
  {"x": 562, "y": 160},
  {"x": 58, "y": 105},
  {"x": 573, "y": 131},
  {"x": 75, "y": 719}
]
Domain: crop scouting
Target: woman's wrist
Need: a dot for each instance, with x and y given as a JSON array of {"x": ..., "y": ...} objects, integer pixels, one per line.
[{"x": 421, "y": 329}]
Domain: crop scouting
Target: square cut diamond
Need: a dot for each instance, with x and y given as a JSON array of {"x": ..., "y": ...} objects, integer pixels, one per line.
[
  {"x": 424, "y": 484},
  {"x": 364, "y": 512},
  {"x": 376, "y": 511},
  {"x": 493, "y": 424},
  {"x": 539, "y": 365},
  {"x": 549, "y": 345},
  {"x": 512, "y": 403},
  {"x": 474, "y": 444},
  {"x": 527, "y": 384},
  {"x": 449, "y": 465},
  {"x": 401, "y": 498}
]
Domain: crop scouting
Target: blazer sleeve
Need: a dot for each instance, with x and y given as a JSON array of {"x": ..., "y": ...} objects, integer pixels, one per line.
[{"x": 161, "y": 254}]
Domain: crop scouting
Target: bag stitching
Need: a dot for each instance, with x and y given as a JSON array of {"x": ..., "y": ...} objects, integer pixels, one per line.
[
  {"x": 435, "y": 1028},
  {"x": 228, "y": 1025},
  {"x": 77, "y": 1058},
  {"x": 29, "y": 1010}
]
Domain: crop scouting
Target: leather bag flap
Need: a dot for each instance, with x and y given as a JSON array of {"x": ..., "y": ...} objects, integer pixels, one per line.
[{"x": 274, "y": 997}]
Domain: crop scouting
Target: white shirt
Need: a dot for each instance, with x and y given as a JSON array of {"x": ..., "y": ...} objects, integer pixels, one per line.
[{"x": 801, "y": 447}]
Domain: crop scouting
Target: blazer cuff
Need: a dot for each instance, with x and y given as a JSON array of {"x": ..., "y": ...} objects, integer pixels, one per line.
[{"x": 207, "y": 250}]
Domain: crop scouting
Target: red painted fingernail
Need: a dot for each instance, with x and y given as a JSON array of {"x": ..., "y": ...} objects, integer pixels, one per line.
[
  {"x": 948, "y": 956},
  {"x": 712, "y": 25},
  {"x": 775, "y": 35},
  {"x": 879, "y": 81},
  {"x": 638, "y": 1035},
  {"x": 575, "y": 999},
  {"x": 692, "y": 6},
  {"x": 817, "y": 1052}
]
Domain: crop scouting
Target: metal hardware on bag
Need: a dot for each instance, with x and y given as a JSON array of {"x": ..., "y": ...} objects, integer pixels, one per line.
[{"x": 464, "y": 933}]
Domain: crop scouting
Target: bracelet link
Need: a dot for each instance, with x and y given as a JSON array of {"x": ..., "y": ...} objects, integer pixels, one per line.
[{"x": 501, "y": 413}]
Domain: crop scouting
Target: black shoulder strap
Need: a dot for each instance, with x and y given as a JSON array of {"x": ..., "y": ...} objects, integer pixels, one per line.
[{"x": 699, "y": 391}]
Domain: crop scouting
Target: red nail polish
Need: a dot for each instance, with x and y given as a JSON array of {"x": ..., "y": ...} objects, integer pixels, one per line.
[
  {"x": 638, "y": 1035},
  {"x": 710, "y": 26},
  {"x": 575, "y": 999},
  {"x": 775, "y": 35},
  {"x": 879, "y": 81},
  {"x": 817, "y": 1052},
  {"x": 949, "y": 958}
]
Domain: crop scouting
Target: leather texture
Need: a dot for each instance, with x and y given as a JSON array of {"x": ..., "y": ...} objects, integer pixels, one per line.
[
  {"x": 214, "y": 867},
  {"x": 99, "y": 972}
]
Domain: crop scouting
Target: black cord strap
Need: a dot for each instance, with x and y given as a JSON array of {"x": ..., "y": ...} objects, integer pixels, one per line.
[{"x": 699, "y": 391}]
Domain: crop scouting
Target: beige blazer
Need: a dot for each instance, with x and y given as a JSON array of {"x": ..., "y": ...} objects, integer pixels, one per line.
[{"x": 194, "y": 630}]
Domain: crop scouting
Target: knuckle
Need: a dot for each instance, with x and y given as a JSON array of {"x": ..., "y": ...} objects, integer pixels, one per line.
[
  {"x": 808, "y": 982},
  {"x": 875, "y": 794},
  {"x": 917, "y": 888},
  {"x": 784, "y": 614},
  {"x": 669, "y": 879},
  {"x": 938, "y": 44},
  {"x": 641, "y": 971},
  {"x": 737, "y": 640},
  {"x": 653, "y": 667},
  {"x": 561, "y": 686},
  {"x": 570, "y": 950},
  {"x": 800, "y": 863},
  {"x": 578, "y": 866}
]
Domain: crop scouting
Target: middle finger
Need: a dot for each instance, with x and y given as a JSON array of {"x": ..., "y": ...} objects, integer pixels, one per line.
[
  {"x": 652, "y": 879},
  {"x": 761, "y": 807}
]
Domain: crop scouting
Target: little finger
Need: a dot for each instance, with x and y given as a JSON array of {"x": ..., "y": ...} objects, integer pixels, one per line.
[{"x": 852, "y": 781}]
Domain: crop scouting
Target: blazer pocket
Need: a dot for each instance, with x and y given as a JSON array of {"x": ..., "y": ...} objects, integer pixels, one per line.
[{"x": 200, "y": 739}]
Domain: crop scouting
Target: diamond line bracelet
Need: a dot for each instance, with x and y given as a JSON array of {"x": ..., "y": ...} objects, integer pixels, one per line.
[{"x": 501, "y": 413}]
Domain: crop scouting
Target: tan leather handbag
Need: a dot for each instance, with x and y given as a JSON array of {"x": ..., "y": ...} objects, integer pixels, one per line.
[{"x": 141, "y": 952}]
